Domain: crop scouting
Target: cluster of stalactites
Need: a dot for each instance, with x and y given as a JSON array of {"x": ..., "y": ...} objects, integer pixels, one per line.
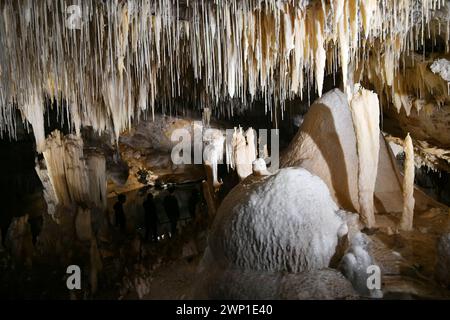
[{"x": 110, "y": 61}]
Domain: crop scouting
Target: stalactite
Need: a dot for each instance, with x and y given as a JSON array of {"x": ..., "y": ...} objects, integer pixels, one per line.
[
  {"x": 406, "y": 223},
  {"x": 367, "y": 10},
  {"x": 122, "y": 58},
  {"x": 33, "y": 111}
]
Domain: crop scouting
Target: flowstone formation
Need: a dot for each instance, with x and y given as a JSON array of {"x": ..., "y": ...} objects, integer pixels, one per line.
[{"x": 327, "y": 145}]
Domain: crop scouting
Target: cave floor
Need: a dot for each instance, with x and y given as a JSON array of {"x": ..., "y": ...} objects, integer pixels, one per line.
[
  {"x": 173, "y": 281},
  {"x": 408, "y": 259}
]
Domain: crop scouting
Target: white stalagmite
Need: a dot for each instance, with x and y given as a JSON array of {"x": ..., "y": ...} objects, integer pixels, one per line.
[
  {"x": 213, "y": 155},
  {"x": 406, "y": 223},
  {"x": 54, "y": 162},
  {"x": 69, "y": 176},
  {"x": 366, "y": 114},
  {"x": 75, "y": 170},
  {"x": 260, "y": 168},
  {"x": 244, "y": 152}
]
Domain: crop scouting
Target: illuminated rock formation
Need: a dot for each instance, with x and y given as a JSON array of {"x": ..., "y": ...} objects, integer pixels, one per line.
[{"x": 406, "y": 223}]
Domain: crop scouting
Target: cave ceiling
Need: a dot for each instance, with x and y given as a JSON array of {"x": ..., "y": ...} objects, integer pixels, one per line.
[{"x": 108, "y": 63}]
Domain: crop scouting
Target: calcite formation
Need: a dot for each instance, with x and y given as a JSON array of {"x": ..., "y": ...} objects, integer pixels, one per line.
[{"x": 108, "y": 62}]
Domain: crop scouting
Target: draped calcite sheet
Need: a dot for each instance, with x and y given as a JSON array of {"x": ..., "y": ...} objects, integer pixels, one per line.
[
  {"x": 365, "y": 110},
  {"x": 326, "y": 146}
]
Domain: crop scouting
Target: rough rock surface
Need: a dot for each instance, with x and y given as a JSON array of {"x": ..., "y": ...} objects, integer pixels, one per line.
[
  {"x": 274, "y": 238},
  {"x": 442, "y": 268},
  {"x": 317, "y": 284},
  {"x": 283, "y": 222}
]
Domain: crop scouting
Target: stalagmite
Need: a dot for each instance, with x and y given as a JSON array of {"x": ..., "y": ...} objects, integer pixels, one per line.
[
  {"x": 244, "y": 152},
  {"x": 54, "y": 162},
  {"x": 69, "y": 176},
  {"x": 213, "y": 154},
  {"x": 366, "y": 113},
  {"x": 406, "y": 223},
  {"x": 260, "y": 168}
]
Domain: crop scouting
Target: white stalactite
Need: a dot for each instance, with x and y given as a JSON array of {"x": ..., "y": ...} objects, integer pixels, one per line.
[
  {"x": 33, "y": 111},
  {"x": 367, "y": 10},
  {"x": 134, "y": 55}
]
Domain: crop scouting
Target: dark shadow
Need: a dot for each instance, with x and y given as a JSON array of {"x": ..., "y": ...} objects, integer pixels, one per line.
[{"x": 378, "y": 204}]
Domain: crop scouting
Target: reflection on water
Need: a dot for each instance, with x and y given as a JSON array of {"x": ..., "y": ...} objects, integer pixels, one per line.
[{"x": 134, "y": 210}]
